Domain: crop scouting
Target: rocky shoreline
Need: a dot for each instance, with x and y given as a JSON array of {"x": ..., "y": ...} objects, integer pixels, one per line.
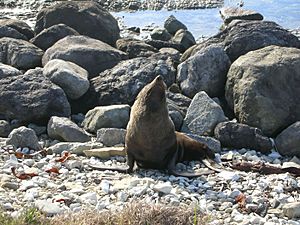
[{"x": 66, "y": 90}]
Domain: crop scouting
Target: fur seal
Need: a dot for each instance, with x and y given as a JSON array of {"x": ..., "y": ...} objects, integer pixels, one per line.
[{"x": 151, "y": 140}]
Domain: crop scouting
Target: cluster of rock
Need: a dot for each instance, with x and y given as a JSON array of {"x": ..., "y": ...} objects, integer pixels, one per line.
[
  {"x": 75, "y": 60},
  {"x": 74, "y": 78}
]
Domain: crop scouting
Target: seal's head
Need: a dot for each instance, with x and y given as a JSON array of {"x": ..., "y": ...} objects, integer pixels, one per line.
[{"x": 153, "y": 95}]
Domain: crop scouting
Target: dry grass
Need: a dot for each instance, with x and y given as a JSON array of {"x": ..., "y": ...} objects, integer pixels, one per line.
[{"x": 135, "y": 214}]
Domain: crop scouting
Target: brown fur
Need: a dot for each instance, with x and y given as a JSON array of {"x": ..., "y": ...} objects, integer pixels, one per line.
[{"x": 151, "y": 140}]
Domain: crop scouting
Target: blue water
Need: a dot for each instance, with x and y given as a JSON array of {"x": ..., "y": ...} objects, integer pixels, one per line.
[{"x": 206, "y": 22}]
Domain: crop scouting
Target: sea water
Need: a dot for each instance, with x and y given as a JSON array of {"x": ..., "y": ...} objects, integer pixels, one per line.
[{"x": 206, "y": 22}]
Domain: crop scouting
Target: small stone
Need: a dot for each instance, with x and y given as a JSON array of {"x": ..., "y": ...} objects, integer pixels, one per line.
[
  {"x": 105, "y": 186},
  {"x": 291, "y": 210},
  {"x": 89, "y": 198},
  {"x": 27, "y": 184},
  {"x": 7, "y": 206},
  {"x": 228, "y": 175},
  {"x": 29, "y": 162},
  {"x": 234, "y": 193},
  {"x": 163, "y": 187},
  {"x": 122, "y": 196},
  {"x": 49, "y": 208},
  {"x": 111, "y": 136},
  {"x": 72, "y": 164},
  {"x": 23, "y": 137},
  {"x": 75, "y": 206},
  {"x": 10, "y": 185}
]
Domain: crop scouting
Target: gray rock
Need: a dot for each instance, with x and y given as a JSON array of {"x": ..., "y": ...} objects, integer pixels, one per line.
[
  {"x": 165, "y": 44},
  {"x": 234, "y": 13},
  {"x": 263, "y": 88},
  {"x": 88, "y": 18},
  {"x": 242, "y": 36},
  {"x": 177, "y": 118},
  {"x": 19, "y": 53},
  {"x": 32, "y": 98},
  {"x": 23, "y": 137},
  {"x": 113, "y": 116},
  {"x": 204, "y": 71},
  {"x": 38, "y": 129},
  {"x": 72, "y": 78},
  {"x": 47, "y": 37},
  {"x": 10, "y": 185},
  {"x": 181, "y": 101},
  {"x": 8, "y": 71},
  {"x": 164, "y": 188},
  {"x": 121, "y": 84},
  {"x": 253, "y": 35},
  {"x": 18, "y": 25},
  {"x": 6, "y": 31},
  {"x": 160, "y": 34},
  {"x": 111, "y": 136},
  {"x": 172, "y": 25},
  {"x": 291, "y": 210},
  {"x": 93, "y": 55},
  {"x": 212, "y": 143},
  {"x": 237, "y": 135},
  {"x": 135, "y": 48},
  {"x": 288, "y": 141},
  {"x": 173, "y": 53},
  {"x": 63, "y": 129},
  {"x": 72, "y": 164},
  {"x": 203, "y": 115},
  {"x": 185, "y": 38},
  {"x": 73, "y": 147},
  {"x": 48, "y": 207},
  {"x": 5, "y": 128}
]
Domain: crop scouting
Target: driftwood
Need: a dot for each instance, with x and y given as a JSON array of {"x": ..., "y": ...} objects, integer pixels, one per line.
[{"x": 263, "y": 168}]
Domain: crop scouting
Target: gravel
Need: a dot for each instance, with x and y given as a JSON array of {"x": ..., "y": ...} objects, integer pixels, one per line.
[{"x": 272, "y": 199}]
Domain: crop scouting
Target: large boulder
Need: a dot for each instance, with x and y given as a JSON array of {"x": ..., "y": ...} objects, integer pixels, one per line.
[
  {"x": 63, "y": 129},
  {"x": 203, "y": 115},
  {"x": 235, "y": 13},
  {"x": 242, "y": 36},
  {"x": 160, "y": 34},
  {"x": 86, "y": 17},
  {"x": 263, "y": 88},
  {"x": 288, "y": 141},
  {"x": 72, "y": 78},
  {"x": 19, "y": 53},
  {"x": 185, "y": 38},
  {"x": 6, "y": 31},
  {"x": 18, "y": 25},
  {"x": 8, "y": 71},
  {"x": 135, "y": 48},
  {"x": 172, "y": 25},
  {"x": 237, "y": 135},
  {"x": 93, "y": 55},
  {"x": 48, "y": 37},
  {"x": 205, "y": 71},
  {"x": 121, "y": 84},
  {"x": 23, "y": 137},
  {"x": 112, "y": 116},
  {"x": 32, "y": 98}
]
